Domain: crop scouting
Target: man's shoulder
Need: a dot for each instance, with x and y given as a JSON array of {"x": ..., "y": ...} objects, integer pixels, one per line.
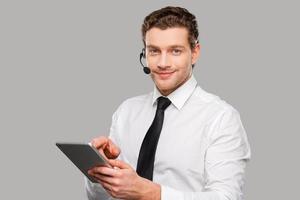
[
  {"x": 212, "y": 100},
  {"x": 216, "y": 108}
]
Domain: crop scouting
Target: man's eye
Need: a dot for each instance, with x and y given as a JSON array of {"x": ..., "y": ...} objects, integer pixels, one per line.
[
  {"x": 176, "y": 52},
  {"x": 153, "y": 51}
]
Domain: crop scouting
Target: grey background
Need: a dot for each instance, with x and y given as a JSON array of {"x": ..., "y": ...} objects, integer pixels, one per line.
[{"x": 66, "y": 66}]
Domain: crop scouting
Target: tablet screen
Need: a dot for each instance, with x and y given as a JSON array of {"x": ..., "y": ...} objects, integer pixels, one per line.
[{"x": 84, "y": 156}]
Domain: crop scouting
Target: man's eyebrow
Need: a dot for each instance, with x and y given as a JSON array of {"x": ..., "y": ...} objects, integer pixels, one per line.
[
  {"x": 177, "y": 47},
  {"x": 152, "y": 47},
  {"x": 172, "y": 47}
]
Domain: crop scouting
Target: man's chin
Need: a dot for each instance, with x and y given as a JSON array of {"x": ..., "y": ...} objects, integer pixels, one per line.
[{"x": 164, "y": 89}]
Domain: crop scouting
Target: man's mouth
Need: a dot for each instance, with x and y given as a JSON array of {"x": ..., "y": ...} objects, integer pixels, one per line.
[{"x": 164, "y": 75}]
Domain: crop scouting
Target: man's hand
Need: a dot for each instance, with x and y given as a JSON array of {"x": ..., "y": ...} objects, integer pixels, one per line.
[
  {"x": 106, "y": 147},
  {"x": 123, "y": 182}
]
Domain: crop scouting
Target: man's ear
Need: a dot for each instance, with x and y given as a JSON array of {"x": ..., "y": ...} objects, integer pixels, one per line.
[{"x": 195, "y": 53}]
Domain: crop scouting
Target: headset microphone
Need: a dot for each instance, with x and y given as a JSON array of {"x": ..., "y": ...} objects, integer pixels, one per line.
[{"x": 146, "y": 69}]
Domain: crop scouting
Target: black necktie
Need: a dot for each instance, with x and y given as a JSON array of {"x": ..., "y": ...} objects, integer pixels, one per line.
[{"x": 146, "y": 158}]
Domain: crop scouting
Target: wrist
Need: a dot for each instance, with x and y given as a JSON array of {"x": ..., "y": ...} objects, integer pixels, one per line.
[
  {"x": 152, "y": 191},
  {"x": 157, "y": 191}
]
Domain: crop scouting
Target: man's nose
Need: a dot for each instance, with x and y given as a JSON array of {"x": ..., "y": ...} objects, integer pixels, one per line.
[{"x": 164, "y": 61}]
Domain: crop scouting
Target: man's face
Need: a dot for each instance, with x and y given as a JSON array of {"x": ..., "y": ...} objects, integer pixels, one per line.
[{"x": 170, "y": 58}]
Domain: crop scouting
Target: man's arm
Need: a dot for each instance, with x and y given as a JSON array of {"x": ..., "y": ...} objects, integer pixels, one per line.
[
  {"x": 225, "y": 163},
  {"x": 221, "y": 189}
]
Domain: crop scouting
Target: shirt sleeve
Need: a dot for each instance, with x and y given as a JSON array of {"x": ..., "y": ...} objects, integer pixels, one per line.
[{"x": 225, "y": 163}]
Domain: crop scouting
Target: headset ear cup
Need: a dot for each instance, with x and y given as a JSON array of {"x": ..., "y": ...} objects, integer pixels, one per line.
[{"x": 143, "y": 53}]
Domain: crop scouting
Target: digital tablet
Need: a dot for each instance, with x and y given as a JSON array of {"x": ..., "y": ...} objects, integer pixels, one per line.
[{"x": 84, "y": 156}]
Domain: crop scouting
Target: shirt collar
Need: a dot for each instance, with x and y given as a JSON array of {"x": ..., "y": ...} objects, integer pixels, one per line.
[{"x": 180, "y": 95}]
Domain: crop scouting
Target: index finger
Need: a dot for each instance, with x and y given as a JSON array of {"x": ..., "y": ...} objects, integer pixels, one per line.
[
  {"x": 99, "y": 142},
  {"x": 111, "y": 150}
]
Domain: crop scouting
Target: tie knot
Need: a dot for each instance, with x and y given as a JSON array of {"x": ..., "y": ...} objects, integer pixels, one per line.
[{"x": 163, "y": 103}]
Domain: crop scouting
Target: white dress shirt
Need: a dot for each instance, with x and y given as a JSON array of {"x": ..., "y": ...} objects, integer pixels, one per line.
[{"x": 202, "y": 149}]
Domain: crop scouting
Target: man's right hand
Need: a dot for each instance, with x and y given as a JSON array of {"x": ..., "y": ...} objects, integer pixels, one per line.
[{"x": 106, "y": 147}]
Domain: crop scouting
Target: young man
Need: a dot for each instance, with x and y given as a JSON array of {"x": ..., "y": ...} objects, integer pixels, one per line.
[{"x": 179, "y": 142}]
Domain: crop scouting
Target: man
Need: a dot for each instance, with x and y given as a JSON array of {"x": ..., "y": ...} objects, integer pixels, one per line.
[{"x": 178, "y": 142}]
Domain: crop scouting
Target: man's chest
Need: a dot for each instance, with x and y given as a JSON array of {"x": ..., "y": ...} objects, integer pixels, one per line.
[{"x": 182, "y": 143}]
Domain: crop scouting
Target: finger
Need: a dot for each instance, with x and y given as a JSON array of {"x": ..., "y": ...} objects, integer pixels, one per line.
[
  {"x": 107, "y": 187},
  {"x": 119, "y": 164},
  {"x": 103, "y": 171},
  {"x": 93, "y": 172},
  {"x": 101, "y": 178},
  {"x": 112, "y": 150},
  {"x": 99, "y": 142},
  {"x": 110, "y": 189},
  {"x": 107, "y": 179}
]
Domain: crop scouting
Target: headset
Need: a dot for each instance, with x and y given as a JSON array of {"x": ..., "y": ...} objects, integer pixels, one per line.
[{"x": 143, "y": 55}]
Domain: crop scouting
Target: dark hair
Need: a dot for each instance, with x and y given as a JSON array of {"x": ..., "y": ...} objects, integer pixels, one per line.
[{"x": 169, "y": 17}]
